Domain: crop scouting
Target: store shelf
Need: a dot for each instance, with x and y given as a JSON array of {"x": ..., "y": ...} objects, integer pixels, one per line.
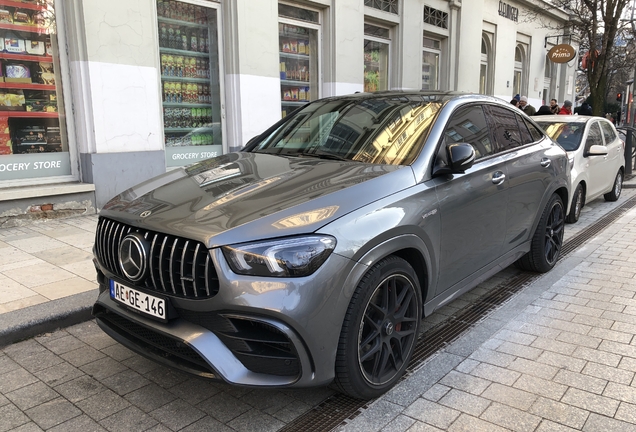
[
  {"x": 188, "y": 129},
  {"x": 303, "y": 36},
  {"x": 26, "y": 114},
  {"x": 21, "y": 5},
  {"x": 186, "y": 105},
  {"x": 180, "y": 22},
  {"x": 26, "y": 57},
  {"x": 26, "y": 86},
  {"x": 186, "y": 79},
  {"x": 24, "y": 28},
  {"x": 184, "y": 52},
  {"x": 295, "y": 83},
  {"x": 294, "y": 103},
  {"x": 294, "y": 56}
]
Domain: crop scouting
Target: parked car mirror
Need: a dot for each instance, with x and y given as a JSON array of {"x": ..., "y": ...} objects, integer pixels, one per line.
[
  {"x": 461, "y": 157},
  {"x": 597, "y": 150}
]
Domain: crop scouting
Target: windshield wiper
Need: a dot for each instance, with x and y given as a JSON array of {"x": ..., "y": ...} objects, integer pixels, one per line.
[{"x": 322, "y": 155}]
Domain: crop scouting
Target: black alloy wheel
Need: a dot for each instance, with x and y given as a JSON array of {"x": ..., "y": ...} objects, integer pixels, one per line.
[
  {"x": 380, "y": 330},
  {"x": 547, "y": 241},
  {"x": 554, "y": 233}
]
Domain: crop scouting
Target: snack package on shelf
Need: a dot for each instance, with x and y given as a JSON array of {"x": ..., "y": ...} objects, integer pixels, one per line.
[
  {"x": 12, "y": 101},
  {"x": 35, "y": 47},
  {"x": 4, "y": 125},
  {"x": 5, "y": 17},
  {"x": 21, "y": 17},
  {"x": 14, "y": 45},
  {"x": 18, "y": 72},
  {"x": 31, "y": 135},
  {"x": 45, "y": 72},
  {"x": 5, "y": 144}
]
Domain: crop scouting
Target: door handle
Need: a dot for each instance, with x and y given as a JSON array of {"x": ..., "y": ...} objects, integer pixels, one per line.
[
  {"x": 498, "y": 178},
  {"x": 545, "y": 162}
]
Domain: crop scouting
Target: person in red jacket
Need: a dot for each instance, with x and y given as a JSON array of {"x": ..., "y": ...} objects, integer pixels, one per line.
[{"x": 566, "y": 109}]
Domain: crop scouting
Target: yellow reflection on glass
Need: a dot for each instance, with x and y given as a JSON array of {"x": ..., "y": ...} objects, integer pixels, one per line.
[
  {"x": 395, "y": 143},
  {"x": 306, "y": 218}
]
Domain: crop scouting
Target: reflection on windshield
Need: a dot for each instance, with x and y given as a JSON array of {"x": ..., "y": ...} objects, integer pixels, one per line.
[
  {"x": 568, "y": 135},
  {"x": 378, "y": 130}
]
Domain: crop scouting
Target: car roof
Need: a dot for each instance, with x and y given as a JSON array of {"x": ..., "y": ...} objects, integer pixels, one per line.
[
  {"x": 565, "y": 118},
  {"x": 429, "y": 96}
]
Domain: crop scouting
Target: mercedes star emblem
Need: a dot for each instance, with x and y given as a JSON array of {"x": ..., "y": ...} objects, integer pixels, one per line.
[
  {"x": 133, "y": 256},
  {"x": 145, "y": 213}
]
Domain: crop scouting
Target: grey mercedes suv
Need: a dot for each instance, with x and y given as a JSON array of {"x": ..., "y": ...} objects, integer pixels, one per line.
[{"x": 312, "y": 255}]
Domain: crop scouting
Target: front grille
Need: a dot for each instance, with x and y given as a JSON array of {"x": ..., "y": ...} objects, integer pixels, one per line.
[
  {"x": 176, "y": 266},
  {"x": 261, "y": 347},
  {"x": 154, "y": 342}
]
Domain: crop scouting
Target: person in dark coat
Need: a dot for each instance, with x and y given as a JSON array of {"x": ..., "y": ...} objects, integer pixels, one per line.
[
  {"x": 554, "y": 106},
  {"x": 585, "y": 109},
  {"x": 544, "y": 110}
]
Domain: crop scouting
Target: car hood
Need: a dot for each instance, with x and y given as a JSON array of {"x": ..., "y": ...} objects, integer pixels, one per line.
[{"x": 244, "y": 196}]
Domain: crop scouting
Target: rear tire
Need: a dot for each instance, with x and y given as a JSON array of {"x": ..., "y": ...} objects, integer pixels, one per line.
[
  {"x": 380, "y": 330},
  {"x": 578, "y": 201},
  {"x": 615, "y": 193},
  {"x": 547, "y": 240}
]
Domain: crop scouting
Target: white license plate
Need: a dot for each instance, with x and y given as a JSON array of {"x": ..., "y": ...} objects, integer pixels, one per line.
[{"x": 138, "y": 300}]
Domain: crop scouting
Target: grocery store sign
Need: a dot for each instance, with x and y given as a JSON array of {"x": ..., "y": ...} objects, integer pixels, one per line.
[
  {"x": 185, "y": 155},
  {"x": 23, "y": 166}
]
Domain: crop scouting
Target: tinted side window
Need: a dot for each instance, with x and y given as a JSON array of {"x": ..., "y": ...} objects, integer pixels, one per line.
[
  {"x": 526, "y": 138},
  {"x": 468, "y": 125},
  {"x": 534, "y": 131},
  {"x": 503, "y": 124},
  {"x": 593, "y": 137},
  {"x": 608, "y": 132}
]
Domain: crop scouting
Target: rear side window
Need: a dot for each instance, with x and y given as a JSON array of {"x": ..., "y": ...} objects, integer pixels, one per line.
[
  {"x": 503, "y": 124},
  {"x": 468, "y": 125},
  {"x": 526, "y": 138},
  {"x": 608, "y": 132},
  {"x": 534, "y": 131}
]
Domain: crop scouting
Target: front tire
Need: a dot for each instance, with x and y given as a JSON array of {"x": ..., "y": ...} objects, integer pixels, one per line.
[
  {"x": 615, "y": 193},
  {"x": 547, "y": 240},
  {"x": 380, "y": 330},
  {"x": 578, "y": 201}
]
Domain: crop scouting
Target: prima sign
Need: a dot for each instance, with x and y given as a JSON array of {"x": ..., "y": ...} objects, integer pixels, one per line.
[
  {"x": 507, "y": 11},
  {"x": 562, "y": 53}
]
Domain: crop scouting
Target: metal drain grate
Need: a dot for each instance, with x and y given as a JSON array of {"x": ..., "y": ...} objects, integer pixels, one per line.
[{"x": 338, "y": 408}]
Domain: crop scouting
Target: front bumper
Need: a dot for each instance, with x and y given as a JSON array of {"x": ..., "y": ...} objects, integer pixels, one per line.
[{"x": 254, "y": 332}]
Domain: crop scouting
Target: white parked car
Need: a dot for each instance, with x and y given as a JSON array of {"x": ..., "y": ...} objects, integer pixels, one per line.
[{"x": 596, "y": 154}]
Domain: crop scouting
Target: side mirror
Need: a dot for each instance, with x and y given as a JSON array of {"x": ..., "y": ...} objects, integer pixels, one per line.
[
  {"x": 461, "y": 157},
  {"x": 597, "y": 150}
]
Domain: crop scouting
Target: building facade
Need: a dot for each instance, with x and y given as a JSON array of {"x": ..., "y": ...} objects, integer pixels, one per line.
[{"x": 98, "y": 96}]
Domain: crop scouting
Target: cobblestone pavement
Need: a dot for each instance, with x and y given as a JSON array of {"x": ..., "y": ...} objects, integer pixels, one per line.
[{"x": 559, "y": 356}]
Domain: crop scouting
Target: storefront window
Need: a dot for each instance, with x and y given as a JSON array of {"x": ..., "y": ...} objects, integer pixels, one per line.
[
  {"x": 376, "y": 58},
  {"x": 430, "y": 64},
  {"x": 33, "y": 136},
  {"x": 189, "y": 51},
  {"x": 298, "y": 38}
]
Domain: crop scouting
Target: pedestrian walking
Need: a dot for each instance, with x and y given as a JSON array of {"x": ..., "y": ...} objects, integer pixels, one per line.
[
  {"x": 544, "y": 110},
  {"x": 554, "y": 106}
]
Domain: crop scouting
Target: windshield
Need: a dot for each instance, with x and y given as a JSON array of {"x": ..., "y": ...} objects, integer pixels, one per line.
[
  {"x": 568, "y": 135},
  {"x": 374, "y": 130}
]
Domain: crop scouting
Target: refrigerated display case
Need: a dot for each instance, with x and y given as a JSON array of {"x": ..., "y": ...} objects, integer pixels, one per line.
[
  {"x": 189, "y": 56},
  {"x": 33, "y": 141},
  {"x": 298, "y": 54}
]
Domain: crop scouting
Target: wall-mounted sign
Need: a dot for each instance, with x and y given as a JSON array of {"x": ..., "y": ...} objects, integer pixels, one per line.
[
  {"x": 507, "y": 11},
  {"x": 21, "y": 166},
  {"x": 562, "y": 53}
]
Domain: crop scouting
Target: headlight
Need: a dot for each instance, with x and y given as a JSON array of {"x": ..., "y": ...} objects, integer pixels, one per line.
[{"x": 290, "y": 257}]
